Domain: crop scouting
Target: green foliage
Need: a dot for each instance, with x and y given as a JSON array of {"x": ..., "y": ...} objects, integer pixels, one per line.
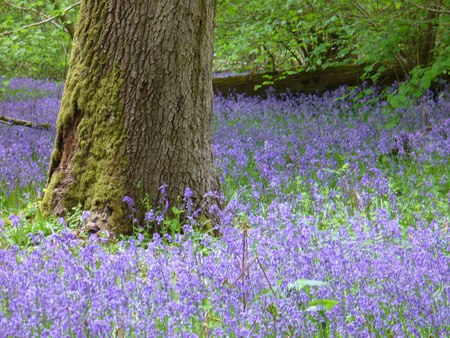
[
  {"x": 421, "y": 79},
  {"x": 21, "y": 229},
  {"x": 4, "y": 89},
  {"x": 315, "y": 308},
  {"x": 39, "y": 51},
  {"x": 259, "y": 35},
  {"x": 413, "y": 37}
]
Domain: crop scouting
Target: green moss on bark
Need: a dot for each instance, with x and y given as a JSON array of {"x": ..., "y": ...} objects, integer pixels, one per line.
[
  {"x": 88, "y": 163},
  {"x": 89, "y": 169},
  {"x": 46, "y": 201}
]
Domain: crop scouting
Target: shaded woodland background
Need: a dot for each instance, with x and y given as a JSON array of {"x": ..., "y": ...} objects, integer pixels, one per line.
[{"x": 270, "y": 41}]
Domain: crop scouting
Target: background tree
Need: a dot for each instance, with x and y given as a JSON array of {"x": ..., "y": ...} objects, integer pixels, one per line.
[{"x": 136, "y": 109}]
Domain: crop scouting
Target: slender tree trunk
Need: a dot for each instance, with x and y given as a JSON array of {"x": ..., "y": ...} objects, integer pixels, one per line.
[
  {"x": 427, "y": 36},
  {"x": 136, "y": 110}
]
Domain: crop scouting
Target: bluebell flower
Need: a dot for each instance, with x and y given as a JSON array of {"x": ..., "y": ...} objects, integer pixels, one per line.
[
  {"x": 128, "y": 200},
  {"x": 15, "y": 220}
]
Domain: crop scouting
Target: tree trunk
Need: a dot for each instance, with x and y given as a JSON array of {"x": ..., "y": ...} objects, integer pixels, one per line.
[
  {"x": 317, "y": 81},
  {"x": 136, "y": 110},
  {"x": 427, "y": 35}
]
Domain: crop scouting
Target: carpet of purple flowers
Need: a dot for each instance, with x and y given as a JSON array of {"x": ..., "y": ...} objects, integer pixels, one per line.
[{"x": 336, "y": 225}]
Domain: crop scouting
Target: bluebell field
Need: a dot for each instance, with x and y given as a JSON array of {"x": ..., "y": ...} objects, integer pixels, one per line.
[{"x": 336, "y": 224}]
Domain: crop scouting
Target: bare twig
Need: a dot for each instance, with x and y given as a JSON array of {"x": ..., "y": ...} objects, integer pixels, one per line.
[
  {"x": 43, "y": 21},
  {"x": 23, "y": 8},
  {"x": 10, "y": 121},
  {"x": 267, "y": 278},
  {"x": 244, "y": 261},
  {"x": 361, "y": 9},
  {"x": 245, "y": 266},
  {"x": 244, "y": 271},
  {"x": 439, "y": 9}
]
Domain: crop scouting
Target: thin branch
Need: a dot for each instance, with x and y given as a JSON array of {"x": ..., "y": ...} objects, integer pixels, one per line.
[
  {"x": 267, "y": 278},
  {"x": 65, "y": 20},
  {"x": 361, "y": 9},
  {"x": 243, "y": 271},
  {"x": 43, "y": 21},
  {"x": 10, "y": 121},
  {"x": 23, "y": 8},
  {"x": 244, "y": 259},
  {"x": 438, "y": 9}
]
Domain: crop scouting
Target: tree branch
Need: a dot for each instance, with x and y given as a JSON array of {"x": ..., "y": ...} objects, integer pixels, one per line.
[
  {"x": 23, "y": 8},
  {"x": 43, "y": 21},
  {"x": 439, "y": 9},
  {"x": 10, "y": 121},
  {"x": 65, "y": 20}
]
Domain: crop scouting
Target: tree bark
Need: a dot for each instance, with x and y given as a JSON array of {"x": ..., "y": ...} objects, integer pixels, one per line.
[{"x": 136, "y": 110}]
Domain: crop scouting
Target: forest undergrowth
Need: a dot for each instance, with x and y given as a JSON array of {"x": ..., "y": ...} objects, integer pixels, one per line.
[{"x": 336, "y": 224}]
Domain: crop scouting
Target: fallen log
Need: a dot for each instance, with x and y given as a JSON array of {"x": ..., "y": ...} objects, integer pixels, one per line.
[
  {"x": 10, "y": 121},
  {"x": 317, "y": 81}
]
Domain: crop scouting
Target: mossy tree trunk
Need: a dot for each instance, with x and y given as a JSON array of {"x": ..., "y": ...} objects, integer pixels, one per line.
[{"x": 136, "y": 110}]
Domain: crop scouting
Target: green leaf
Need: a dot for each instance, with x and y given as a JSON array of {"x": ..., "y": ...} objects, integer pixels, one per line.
[
  {"x": 393, "y": 122},
  {"x": 321, "y": 305},
  {"x": 279, "y": 292},
  {"x": 300, "y": 284},
  {"x": 290, "y": 72},
  {"x": 273, "y": 310}
]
